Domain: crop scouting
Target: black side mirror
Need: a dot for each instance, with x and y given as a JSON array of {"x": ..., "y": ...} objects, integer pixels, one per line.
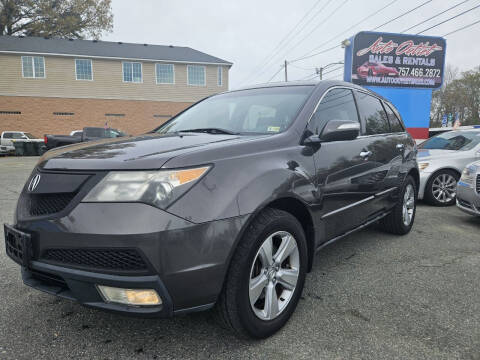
[{"x": 340, "y": 130}]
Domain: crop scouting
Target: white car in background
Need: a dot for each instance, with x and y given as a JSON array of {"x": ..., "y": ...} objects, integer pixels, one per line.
[
  {"x": 8, "y": 138},
  {"x": 441, "y": 160}
]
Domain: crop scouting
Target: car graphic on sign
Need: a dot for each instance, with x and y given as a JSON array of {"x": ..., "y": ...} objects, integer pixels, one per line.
[{"x": 370, "y": 68}]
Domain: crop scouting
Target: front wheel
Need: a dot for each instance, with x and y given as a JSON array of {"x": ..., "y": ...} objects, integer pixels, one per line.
[
  {"x": 441, "y": 189},
  {"x": 266, "y": 276},
  {"x": 401, "y": 218}
]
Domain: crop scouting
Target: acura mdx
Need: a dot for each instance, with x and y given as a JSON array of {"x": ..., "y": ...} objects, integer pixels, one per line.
[{"x": 224, "y": 205}]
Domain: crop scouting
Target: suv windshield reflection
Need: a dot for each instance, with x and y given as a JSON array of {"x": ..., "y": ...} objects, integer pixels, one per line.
[
  {"x": 453, "y": 140},
  {"x": 255, "y": 111}
]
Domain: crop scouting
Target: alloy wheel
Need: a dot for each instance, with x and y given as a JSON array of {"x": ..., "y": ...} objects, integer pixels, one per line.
[
  {"x": 408, "y": 205},
  {"x": 274, "y": 275},
  {"x": 444, "y": 188}
]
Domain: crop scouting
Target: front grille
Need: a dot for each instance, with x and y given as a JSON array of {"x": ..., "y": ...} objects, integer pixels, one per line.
[
  {"x": 46, "y": 204},
  {"x": 106, "y": 259},
  {"x": 478, "y": 184}
]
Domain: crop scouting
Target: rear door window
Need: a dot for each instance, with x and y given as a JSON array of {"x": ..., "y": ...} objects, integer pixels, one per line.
[
  {"x": 372, "y": 115},
  {"x": 395, "y": 123},
  {"x": 337, "y": 104}
]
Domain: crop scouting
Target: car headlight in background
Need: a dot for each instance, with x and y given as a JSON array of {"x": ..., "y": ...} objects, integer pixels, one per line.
[
  {"x": 468, "y": 175},
  {"x": 158, "y": 188},
  {"x": 423, "y": 165}
]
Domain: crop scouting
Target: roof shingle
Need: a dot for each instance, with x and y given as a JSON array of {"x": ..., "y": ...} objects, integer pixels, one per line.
[{"x": 105, "y": 49}]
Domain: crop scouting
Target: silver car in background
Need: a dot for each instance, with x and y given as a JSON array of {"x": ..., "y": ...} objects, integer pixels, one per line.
[
  {"x": 468, "y": 189},
  {"x": 441, "y": 160}
]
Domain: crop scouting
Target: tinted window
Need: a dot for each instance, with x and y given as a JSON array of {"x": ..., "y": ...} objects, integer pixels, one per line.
[
  {"x": 7, "y": 136},
  {"x": 395, "y": 124},
  {"x": 453, "y": 140},
  {"x": 264, "y": 111},
  {"x": 372, "y": 114},
  {"x": 17, "y": 136},
  {"x": 337, "y": 104},
  {"x": 95, "y": 132}
]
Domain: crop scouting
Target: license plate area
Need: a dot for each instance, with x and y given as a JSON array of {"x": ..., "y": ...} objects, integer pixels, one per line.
[{"x": 17, "y": 245}]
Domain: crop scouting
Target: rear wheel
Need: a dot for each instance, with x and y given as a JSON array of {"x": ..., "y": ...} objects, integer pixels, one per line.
[
  {"x": 266, "y": 276},
  {"x": 401, "y": 218},
  {"x": 441, "y": 189}
]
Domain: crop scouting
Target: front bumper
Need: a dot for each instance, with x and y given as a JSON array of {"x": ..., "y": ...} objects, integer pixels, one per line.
[
  {"x": 80, "y": 285},
  {"x": 184, "y": 262},
  {"x": 467, "y": 199},
  {"x": 424, "y": 176}
]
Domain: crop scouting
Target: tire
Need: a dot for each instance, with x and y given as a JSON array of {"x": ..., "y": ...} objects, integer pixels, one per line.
[
  {"x": 234, "y": 306},
  {"x": 394, "y": 222},
  {"x": 442, "y": 176}
]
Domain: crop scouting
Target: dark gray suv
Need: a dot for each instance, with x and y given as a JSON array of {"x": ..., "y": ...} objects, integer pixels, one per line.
[{"x": 224, "y": 205}]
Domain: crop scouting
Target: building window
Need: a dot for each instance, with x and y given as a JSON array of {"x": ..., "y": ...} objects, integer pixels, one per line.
[
  {"x": 33, "y": 66},
  {"x": 196, "y": 75},
  {"x": 132, "y": 72},
  {"x": 111, "y": 114},
  {"x": 83, "y": 69},
  {"x": 165, "y": 73},
  {"x": 61, "y": 113},
  {"x": 6, "y": 112},
  {"x": 219, "y": 76}
]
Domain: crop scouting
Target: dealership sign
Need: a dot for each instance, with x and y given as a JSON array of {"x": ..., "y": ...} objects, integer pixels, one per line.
[{"x": 397, "y": 60}]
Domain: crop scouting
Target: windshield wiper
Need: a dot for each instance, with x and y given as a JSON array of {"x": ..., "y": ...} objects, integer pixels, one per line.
[{"x": 213, "y": 131}]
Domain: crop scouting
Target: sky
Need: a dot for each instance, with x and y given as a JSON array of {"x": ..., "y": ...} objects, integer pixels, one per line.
[{"x": 257, "y": 36}]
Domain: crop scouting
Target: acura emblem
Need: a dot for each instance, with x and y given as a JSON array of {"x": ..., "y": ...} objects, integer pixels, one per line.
[{"x": 34, "y": 182}]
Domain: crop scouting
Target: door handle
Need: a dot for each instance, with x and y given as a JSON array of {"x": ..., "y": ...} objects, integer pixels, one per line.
[
  {"x": 400, "y": 147},
  {"x": 365, "y": 154}
]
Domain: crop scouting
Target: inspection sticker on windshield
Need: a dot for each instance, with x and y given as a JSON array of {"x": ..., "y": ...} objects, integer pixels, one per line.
[{"x": 273, "y": 129}]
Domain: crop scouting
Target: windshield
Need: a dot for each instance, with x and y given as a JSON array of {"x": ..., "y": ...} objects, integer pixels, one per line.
[
  {"x": 453, "y": 140},
  {"x": 30, "y": 136},
  {"x": 255, "y": 111}
]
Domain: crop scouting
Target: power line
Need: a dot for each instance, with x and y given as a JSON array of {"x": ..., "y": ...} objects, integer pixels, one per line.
[
  {"x": 329, "y": 16},
  {"x": 276, "y": 50},
  {"x": 281, "y": 68},
  {"x": 379, "y": 26},
  {"x": 316, "y": 27},
  {"x": 444, "y": 21},
  {"x": 436, "y": 15},
  {"x": 462, "y": 28},
  {"x": 306, "y": 55},
  {"x": 269, "y": 56},
  {"x": 403, "y": 14}
]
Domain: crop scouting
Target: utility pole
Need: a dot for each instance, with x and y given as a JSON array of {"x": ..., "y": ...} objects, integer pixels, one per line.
[
  {"x": 285, "y": 66},
  {"x": 319, "y": 72}
]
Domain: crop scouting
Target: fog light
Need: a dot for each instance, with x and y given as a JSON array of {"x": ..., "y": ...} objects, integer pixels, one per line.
[{"x": 137, "y": 297}]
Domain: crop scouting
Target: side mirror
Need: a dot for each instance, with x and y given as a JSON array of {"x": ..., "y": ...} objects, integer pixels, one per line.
[{"x": 340, "y": 130}]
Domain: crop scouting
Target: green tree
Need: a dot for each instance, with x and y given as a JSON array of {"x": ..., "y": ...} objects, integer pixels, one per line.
[
  {"x": 56, "y": 18},
  {"x": 458, "y": 94}
]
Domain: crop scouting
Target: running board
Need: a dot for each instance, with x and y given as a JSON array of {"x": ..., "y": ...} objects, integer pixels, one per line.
[{"x": 364, "y": 225}]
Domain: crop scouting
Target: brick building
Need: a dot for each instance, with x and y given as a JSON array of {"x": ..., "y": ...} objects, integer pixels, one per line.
[{"x": 60, "y": 85}]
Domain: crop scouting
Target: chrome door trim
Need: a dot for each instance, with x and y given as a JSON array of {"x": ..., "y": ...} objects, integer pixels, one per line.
[
  {"x": 348, "y": 207},
  {"x": 384, "y": 192}
]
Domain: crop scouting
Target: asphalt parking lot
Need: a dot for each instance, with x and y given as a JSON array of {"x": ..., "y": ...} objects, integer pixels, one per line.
[{"x": 369, "y": 296}]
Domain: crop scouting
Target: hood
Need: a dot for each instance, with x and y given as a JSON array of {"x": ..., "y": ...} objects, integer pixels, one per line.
[
  {"x": 434, "y": 154},
  {"x": 149, "y": 151}
]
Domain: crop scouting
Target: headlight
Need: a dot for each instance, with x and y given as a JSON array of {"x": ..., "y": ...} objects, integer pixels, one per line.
[
  {"x": 423, "y": 165},
  {"x": 157, "y": 188},
  {"x": 468, "y": 175}
]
